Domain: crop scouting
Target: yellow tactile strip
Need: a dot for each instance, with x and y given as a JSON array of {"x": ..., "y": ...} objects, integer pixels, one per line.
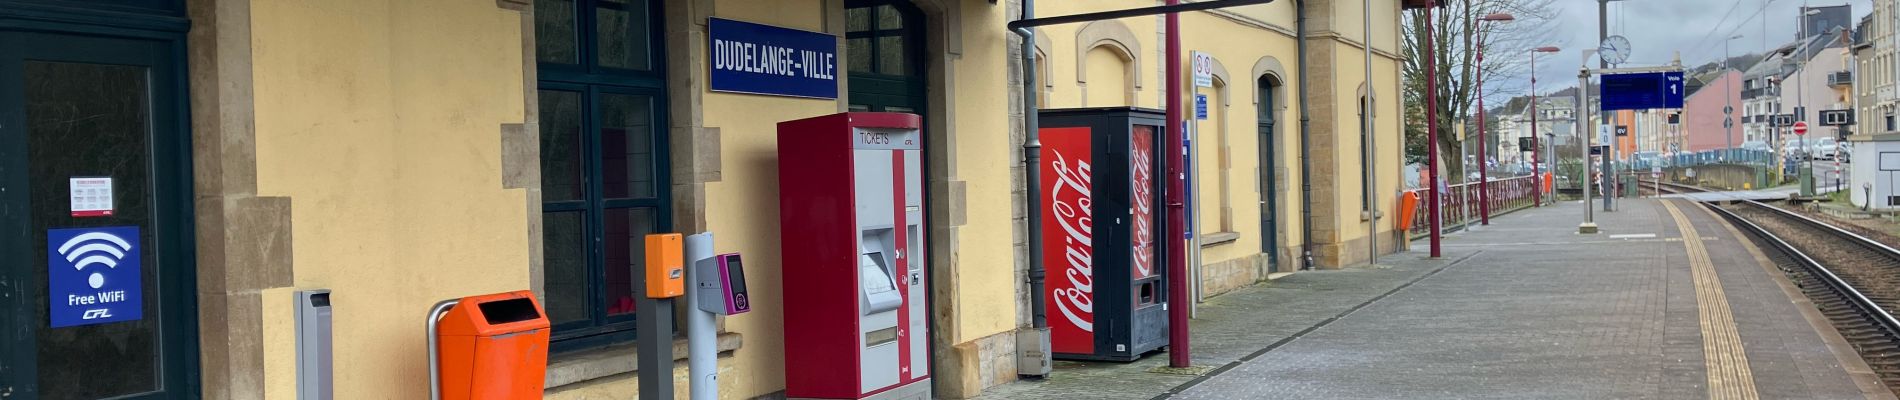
[{"x": 1722, "y": 353}]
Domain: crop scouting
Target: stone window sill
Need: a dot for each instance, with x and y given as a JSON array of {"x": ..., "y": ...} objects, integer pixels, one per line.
[
  {"x": 585, "y": 365},
  {"x": 1218, "y": 238}
]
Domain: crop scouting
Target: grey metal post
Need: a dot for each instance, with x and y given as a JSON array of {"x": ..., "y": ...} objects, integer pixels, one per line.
[
  {"x": 1193, "y": 125},
  {"x": 1728, "y": 106},
  {"x": 702, "y": 337},
  {"x": 435, "y": 353},
  {"x": 1372, "y": 152},
  {"x": 654, "y": 345},
  {"x": 1589, "y": 224}
]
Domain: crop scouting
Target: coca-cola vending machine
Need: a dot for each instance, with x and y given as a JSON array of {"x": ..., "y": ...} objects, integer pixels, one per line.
[
  {"x": 1104, "y": 281},
  {"x": 851, "y": 229}
]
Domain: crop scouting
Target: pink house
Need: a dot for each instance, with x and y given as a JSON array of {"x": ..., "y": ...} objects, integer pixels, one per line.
[{"x": 1702, "y": 113}]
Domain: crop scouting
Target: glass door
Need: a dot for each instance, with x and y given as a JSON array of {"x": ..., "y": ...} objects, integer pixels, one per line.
[{"x": 96, "y": 288}]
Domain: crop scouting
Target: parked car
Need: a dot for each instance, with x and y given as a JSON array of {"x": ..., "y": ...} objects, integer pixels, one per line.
[{"x": 1823, "y": 148}]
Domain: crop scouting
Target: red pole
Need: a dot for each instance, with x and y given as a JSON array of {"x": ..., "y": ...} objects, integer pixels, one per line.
[
  {"x": 1431, "y": 133},
  {"x": 1177, "y": 215},
  {"x": 1537, "y": 175},
  {"x": 1484, "y": 176}
]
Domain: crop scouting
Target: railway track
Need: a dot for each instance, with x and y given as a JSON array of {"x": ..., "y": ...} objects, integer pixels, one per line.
[
  {"x": 1674, "y": 187},
  {"x": 1853, "y": 280}
]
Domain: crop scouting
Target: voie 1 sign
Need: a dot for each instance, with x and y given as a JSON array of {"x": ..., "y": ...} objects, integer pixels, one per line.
[
  {"x": 92, "y": 275},
  {"x": 1642, "y": 91},
  {"x": 769, "y": 60}
]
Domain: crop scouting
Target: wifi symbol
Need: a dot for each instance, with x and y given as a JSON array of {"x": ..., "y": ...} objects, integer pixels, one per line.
[{"x": 95, "y": 248}]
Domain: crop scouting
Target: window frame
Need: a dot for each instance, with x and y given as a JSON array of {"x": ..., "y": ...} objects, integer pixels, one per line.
[{"x": 594, "y": 82}]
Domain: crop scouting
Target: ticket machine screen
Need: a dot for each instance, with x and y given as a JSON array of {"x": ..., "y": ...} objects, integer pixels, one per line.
[{"x": 735, "y": 284}]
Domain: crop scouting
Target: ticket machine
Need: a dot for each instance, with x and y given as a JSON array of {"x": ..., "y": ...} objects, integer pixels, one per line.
[{"x": 852, "y": 232}]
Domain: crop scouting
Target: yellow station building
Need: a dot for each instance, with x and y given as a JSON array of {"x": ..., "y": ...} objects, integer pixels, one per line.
[{"x": 402, "y": 152}]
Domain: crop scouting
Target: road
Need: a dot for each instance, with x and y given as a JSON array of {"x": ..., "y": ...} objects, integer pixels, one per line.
[{"x": 1827, "y": 175}]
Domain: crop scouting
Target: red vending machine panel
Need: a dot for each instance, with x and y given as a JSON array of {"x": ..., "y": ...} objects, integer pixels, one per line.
[{"x": 851, "y": 219}]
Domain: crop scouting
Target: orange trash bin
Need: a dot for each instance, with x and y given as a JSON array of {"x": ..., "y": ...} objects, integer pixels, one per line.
[
  {"x": 493, "y": 347},
  {"x": 1408, "y": 206}
]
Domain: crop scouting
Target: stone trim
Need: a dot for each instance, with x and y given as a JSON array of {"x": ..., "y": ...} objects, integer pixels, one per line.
[
  {"x": 1219, "y": 238},
  {"x": 1250, "y": 21},
  {"x": 1115, "y": 35},
  {"x": 1337, "y": 37},
  {"x": 976, "y": 365},
  {"x": 1221, "y": 277},
  {"x": 694, "y": 147},
  {"x": 1221, "y": 79},
  {"x": 568, "y": 369},
  {"x": 243, "y": 240},
  {"x": 1270, "y": 67},
  {"x": 521, "y": 148}
]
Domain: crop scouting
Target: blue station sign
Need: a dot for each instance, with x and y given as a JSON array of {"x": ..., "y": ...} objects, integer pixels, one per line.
[
  {"x": 1642, "y": 91},
  {"x": 92, "y": 275},
  {"x": 770, "y": 60}
]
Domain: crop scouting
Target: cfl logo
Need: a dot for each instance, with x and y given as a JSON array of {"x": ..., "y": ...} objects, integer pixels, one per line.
[{"x": 97, "y": 313}]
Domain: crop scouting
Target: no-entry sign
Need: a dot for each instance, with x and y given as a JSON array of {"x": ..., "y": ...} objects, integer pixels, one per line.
[{"x": 1801, "y": 127}]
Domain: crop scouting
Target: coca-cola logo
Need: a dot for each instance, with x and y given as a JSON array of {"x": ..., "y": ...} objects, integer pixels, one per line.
[
  {"x": 1076, "y": 218},
  {"x": 1144, "y": 207}
]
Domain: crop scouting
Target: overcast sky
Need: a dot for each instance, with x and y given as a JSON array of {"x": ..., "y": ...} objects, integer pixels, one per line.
[{"x": 1657, "y": 29}]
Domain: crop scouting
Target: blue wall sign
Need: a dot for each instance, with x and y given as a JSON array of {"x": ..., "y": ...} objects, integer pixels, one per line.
[
  {"x": 769, "y": 60},
  {"x": 1200, "y": 106},
  {"x": 1187, "y": 185},
  {"x": 1642, "y": 91},
  {"x": 92, "y": 275}
]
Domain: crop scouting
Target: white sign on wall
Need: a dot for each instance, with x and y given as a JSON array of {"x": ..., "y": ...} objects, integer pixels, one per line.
[{"x": 1203, "y": 70}]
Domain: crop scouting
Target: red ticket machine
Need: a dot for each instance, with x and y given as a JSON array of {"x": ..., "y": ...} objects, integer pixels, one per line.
[{"x": 852, "y": 228}]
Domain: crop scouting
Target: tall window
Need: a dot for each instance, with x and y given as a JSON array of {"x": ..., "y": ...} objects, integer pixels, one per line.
[{"x": 603, "y": 160}]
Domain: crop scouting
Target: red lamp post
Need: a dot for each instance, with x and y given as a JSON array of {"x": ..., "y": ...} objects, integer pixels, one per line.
[
  {"x": 1537, "y": 173},
  {"x": 1484, "y": 176}
]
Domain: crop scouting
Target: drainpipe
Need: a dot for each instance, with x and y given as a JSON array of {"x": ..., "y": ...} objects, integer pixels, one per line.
[
  {"x": 1034, "y": 361},
  {"x": 1306, "y": 146},
  {"x": 1372, "y": 152}
]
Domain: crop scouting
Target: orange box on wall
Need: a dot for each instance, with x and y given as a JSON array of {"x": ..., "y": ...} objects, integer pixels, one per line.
[{"x": 665, "y": 269}]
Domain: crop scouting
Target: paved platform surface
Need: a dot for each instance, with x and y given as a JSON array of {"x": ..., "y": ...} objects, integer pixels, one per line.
[{"x": 1524, "y": 308}]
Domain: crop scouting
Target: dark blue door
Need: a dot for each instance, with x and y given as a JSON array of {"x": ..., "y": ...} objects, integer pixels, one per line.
[{"x": 93, "y": 139}]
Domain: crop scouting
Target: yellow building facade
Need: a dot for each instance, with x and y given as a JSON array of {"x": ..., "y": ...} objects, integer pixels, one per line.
[{"x": 399, "y": 153}]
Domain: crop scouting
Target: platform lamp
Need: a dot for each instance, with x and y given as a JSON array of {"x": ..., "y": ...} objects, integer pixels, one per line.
[
  {"x": 1484, "y": 178},
  {"x": 1537, "y": 173}
]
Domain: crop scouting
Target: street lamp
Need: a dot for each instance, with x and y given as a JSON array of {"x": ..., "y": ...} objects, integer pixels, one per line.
[
  {"x": 1484, "y": 184},
  {"x": 1728, "y": 106},
  {"x": 1431, "y": 139},
  {"x": 1537, "y": 173}
]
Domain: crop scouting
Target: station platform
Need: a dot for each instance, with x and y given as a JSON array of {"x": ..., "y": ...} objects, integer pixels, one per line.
[{"x": 1666, "y": 302}]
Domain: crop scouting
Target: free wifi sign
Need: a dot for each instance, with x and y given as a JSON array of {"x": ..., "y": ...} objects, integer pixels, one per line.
[{"x": 93, "y": 275}]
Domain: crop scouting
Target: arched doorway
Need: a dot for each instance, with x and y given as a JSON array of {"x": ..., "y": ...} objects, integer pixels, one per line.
[{"x": 1267, "y": 108}]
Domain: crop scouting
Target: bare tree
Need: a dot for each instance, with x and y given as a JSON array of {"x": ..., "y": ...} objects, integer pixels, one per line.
[{"x": 1455, "y": 43}]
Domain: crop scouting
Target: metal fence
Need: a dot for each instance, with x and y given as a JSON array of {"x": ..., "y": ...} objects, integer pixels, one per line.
[{"x": 1460, "y": 202}]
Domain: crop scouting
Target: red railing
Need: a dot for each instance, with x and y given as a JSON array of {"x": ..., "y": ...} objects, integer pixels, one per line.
[{"x": 1460, "y": 203}]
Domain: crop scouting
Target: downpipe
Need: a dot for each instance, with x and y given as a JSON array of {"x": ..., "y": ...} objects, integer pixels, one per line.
[
  {"x": 1033, "y": 357},
  {"x": 1306, "y": 145}
]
